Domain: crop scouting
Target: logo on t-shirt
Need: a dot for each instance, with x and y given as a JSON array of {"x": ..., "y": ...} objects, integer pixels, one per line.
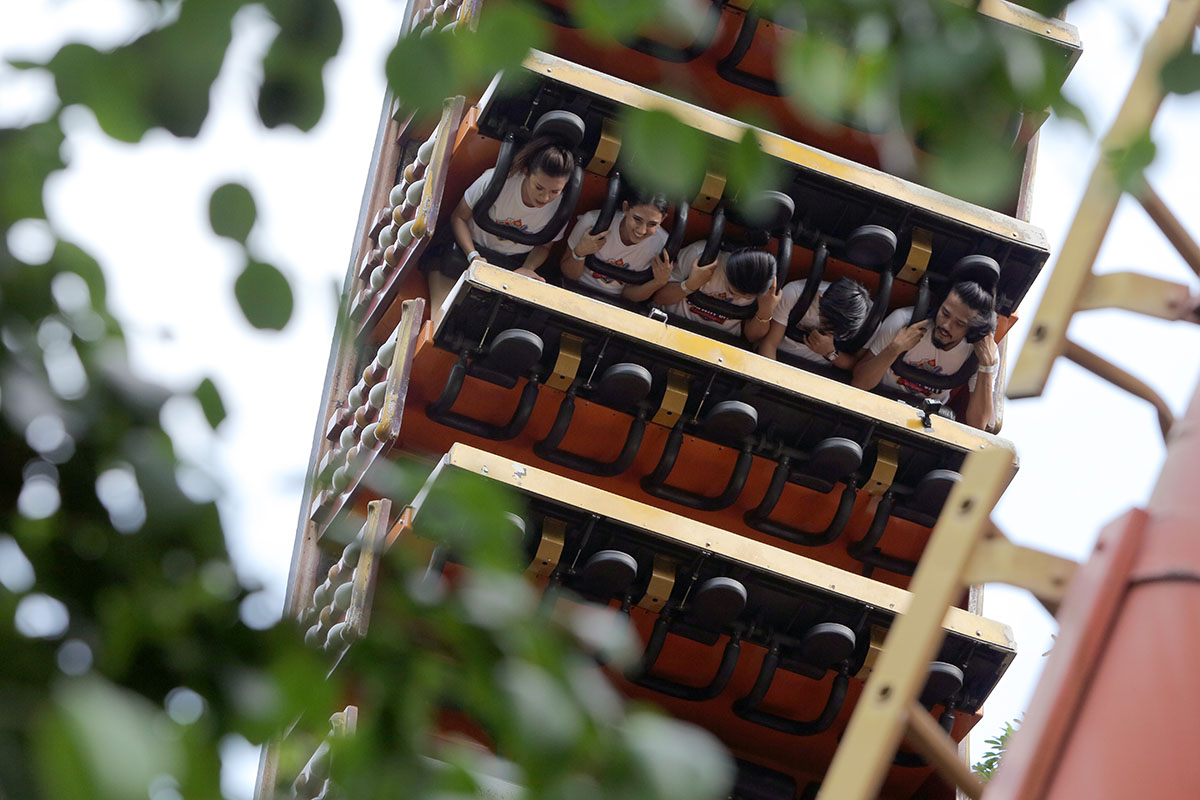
[
  {"x": 928, "y": 365},
  {"x": 620, "y": 262},
  {"x": 704, "y": 313},
  {"x": 513, "y": 222}
]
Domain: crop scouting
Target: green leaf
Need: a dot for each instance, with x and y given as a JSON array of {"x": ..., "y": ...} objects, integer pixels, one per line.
[
  {"x": 101, "y": 741},
  {"x": 1181, "y": 75},
  {"x": 506, "y": 32},
  {"x": 264, "y": 295},
  {"x": 420, "y": 70},
  {"x": 680, "y": 761},
  {"x": 750, "y": 171},
  {"x": 663, "y": 153},
  {"x": 614, "y": 19},
  {"x": 231, "y": 211},
  {"x": 27, "y": 157},
  {"x": 293, "y": 88},
  {"x": 1128, "y": 163},
  {"x": 210, "y": 402}
]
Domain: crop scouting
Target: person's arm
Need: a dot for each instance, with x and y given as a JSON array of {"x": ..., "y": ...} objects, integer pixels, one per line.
[
  {"x": 823, "y": 345},
  {"x": 586, "y": 244},
  {"x": 660, "y": 267},
  {"x": 981, "y": 406},
  {"x": 460, "y": 223},
  {"x": 676, "y": 291},
  {"x": 869, "y": 371},
  {"x": 757, "y": 326},
  {"x": 768, "y": 346},
  {"x": 534, "y": 259}
]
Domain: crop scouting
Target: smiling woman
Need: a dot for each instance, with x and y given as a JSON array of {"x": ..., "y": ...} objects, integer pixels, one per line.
[{"x": 528, "y": 201}]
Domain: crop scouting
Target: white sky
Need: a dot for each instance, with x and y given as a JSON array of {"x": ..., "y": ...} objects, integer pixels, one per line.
[{"x": 1088, "y": 452}]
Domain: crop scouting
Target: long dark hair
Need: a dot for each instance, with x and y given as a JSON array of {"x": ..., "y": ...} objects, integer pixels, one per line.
[
  {"x": 544, "y": 154},
  {"x": 749, "y": 271}
]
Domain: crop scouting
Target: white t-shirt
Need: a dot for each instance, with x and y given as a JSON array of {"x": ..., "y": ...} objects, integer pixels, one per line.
[
  {"x": 636, "y": 257},
  {"x": 923, "y": 356},
  {"x": 811, "y": 320},
  {"x": 716, "y": 287},
  {"x": 509, "y": 209}
]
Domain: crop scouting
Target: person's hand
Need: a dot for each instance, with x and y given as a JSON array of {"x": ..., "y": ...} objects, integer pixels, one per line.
[
  {"x": 661, "y": 267},
  {"x": 820, "y": 343},
  {"x": 699, "y": 275},
  {"x": 768, "y": 301},
  {"x": 907, "y": 337},
  {"x": 987, "y": 352},
  {"x": 528, "y": 273},
  {"x": 590, "y": 243}
]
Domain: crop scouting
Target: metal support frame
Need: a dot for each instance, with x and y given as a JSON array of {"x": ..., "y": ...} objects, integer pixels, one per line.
[
  {"x": 964, "y": 548},
  {"x": 1073, "y": 286}
]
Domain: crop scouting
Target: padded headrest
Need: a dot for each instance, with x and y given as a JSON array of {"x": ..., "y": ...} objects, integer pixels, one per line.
[
  {"x": 731, "y": 419},
  {"x": 870, "y": 246},
  {"x": 767, "y": 211},
  {"x": 625, "y": 384},
  {"x": 943, "y": 682},
  {"x": 561, "y": 125},
  {"x": 718, "y": 601},
  {"x": 835, "y": 458},
  {"x": 981, "y": 269},
  {"x": 827, "y": 643}
]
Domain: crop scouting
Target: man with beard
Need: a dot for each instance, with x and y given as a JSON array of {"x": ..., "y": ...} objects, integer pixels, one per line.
[{"x": 939, "y": 346}]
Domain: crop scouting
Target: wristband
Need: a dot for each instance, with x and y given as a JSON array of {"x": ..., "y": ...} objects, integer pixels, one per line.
[
  {"x": 683, "y": 285},
  {"x": 575, "y": 255},
  {"x": 987, "y": 370},
  {"x": 760, "y": 319},
  {"x": 833, "y": 354},
  {"x": 471, "y": 256}
]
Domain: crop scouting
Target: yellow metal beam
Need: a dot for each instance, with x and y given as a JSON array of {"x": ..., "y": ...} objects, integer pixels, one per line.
[
  {"x": 997, "y": 560},
  {"x": 936, "y": 748},
  {"x": 711, "y": 353},
  {"x": 698, "y": 536},
  {"x": 883, "y": 712},
  {"x": 1068, "y": 282},
  {"x": 632, "y": 95}
]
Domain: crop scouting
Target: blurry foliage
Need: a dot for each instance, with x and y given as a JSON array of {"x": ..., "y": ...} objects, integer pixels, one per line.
[
  {"x": 125, "y": 660},
  {"x": 985, "y": 768}
]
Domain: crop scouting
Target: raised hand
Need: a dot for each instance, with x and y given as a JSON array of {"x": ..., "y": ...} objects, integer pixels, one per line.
[
  {"x": 820, "y": 343},
  {"x": 700, "y": 275},
  {"x": 661, "y": 266},
  {"x": 590, "y": 243},
  {"x": 769, "y": 301},
  {"x": 907, "y": 337},
  {"x": 986, "y": 351}
]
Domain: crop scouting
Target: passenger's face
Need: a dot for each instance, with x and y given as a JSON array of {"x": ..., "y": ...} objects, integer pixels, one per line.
[
  {"x": 639, "y": 222},
  {"x": 951, "y": 323},
  {"x": 539, "y": 189}
]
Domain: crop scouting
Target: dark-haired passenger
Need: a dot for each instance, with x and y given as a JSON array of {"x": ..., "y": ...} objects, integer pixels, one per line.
[
  {"x": 527, "y": 201},
  {"x": 835, "y": 314},
  {"x": 635, "y": 240},
  {"x": 740, "y": 278},
  {"x": 939, "y": 346}
]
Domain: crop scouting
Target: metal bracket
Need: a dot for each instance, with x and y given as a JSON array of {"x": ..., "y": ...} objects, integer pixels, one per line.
[
  {"x": 710, "y": 192},
  {"x": 918, "y": 256},
  {"x": 412, "y": 313},
  {"x": 662, "y": 581},
  {"x": 1135, "y": 292},
  {"x": 566, "y": 366},
  {"x": 550, "y": 548},
  {"x": 373, "y": 534},
  {"x": 607, "y": 149},
  {"x": 887, "y": 459},
  {"x": 997, "y": 560},
  {"x": 674, "y": 399}
]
